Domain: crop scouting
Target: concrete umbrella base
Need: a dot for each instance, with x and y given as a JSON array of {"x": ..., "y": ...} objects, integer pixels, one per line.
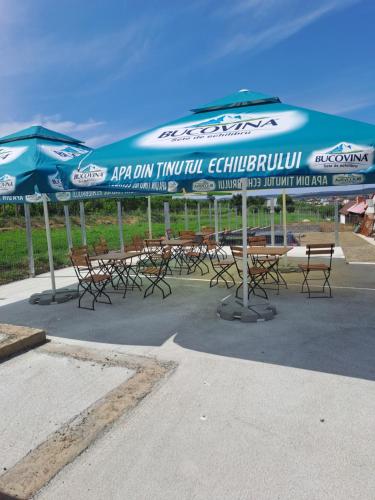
[
  {"x": 231, "y": 308},
  {"x": 46, "y": 298}
]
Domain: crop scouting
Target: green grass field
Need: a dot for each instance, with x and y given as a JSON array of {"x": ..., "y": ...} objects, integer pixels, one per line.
[{"x": 13, "y": 249}]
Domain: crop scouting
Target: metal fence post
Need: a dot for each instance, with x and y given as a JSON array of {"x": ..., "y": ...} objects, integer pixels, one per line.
[
  {"x": 83, "y": 222},
  {"x": 29, "y": 239},
  {"x": 68, "y": 227},
  {"x": 120, "y": 228},
  {"x": 149, "y": 217},
  {"x": 272, "y": 214},
  {"x": 186, "y": 216},
  {"x": 216, "y": 221},
  {"x": 337, "y": 223},
  {"x": 167, "y": 219}
]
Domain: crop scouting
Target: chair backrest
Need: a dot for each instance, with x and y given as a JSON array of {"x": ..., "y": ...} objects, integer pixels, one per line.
[
  {"x": 138, "y": 243},
  {"x": 101, "y": 246},
  {"x": 326, "y": 249},
  {"x": 154, "y": 245},
  {"x": 207, "y": 230},
  {"x": 81, "y": 263},
  {"x": 257, "y": 241},
  {"x": 82, "y": 250},
  {"x": 237, "y": 253},
  {"x": 186, "y": 234}
]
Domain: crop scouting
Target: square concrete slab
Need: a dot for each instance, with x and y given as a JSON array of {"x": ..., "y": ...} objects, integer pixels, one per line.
[{"x": 41, "y": 392}]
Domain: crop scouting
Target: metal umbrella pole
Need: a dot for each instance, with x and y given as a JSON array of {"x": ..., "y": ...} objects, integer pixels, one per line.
[
  {"x": 244, "y": 244},
  {"x": 49, "y": 246}
]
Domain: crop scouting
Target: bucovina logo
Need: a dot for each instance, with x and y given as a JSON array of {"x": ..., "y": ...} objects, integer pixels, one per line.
[
  {"x": 172, "y": 186},
  {"x": 7, "y": 184},
  {"x": 343, "y": 158},
  {"x": 222, "y": 129},
  {"x": 64, "y": 152},
  {"x": 55, "y": 182},
  {"x": 90, "y": 175},
  {"x": 8, "y": 155},
  {"x": 204, "y": 185}
]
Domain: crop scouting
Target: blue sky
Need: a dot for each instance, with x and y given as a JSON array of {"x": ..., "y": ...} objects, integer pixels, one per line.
[{"x": 103, "y": 70}]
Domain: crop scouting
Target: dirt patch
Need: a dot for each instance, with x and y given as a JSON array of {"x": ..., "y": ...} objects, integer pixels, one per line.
[{"x": 41, "y": 464}]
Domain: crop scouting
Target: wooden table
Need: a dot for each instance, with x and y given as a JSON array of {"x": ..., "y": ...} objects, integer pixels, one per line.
[{"x": 271, "y": 251}]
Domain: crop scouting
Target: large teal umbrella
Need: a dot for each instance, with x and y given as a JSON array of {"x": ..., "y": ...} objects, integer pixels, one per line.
[
  {"x": 246, "y": 140},
  {"x": 28, "y": 160},
  {"x": 245, "y": 135},
  {"x": 28, "y": 168}
]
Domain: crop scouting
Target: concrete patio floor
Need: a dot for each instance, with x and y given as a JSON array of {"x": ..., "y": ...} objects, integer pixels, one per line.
[{"x": 281, "y": 409}]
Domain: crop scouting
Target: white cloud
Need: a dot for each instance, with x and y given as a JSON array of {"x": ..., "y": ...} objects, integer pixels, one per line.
[{"x": 280, "y": 21}]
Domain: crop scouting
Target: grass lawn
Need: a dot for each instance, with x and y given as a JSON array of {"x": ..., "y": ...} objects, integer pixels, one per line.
[{"x": 13, "y": 249}]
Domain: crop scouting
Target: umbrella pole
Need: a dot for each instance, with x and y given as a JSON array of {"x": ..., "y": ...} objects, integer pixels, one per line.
[
  {"x": 199, "y": 215},
  {"x": 216, "y": 221},
  {"x": 244, "y": 244},
  {"x": 83, "y": 222},
  {"x": 149, "y": 217},
  {"x": 120, "y": 228},
  {"x": 49, "y": 247},
  {"x": 30, "y": 252},
  {"x": 68, "y": 227}
]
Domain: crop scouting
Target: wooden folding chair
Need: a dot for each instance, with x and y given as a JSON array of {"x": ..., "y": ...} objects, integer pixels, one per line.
[
  {"x": 156, "y": 275},
  {"x": 255, "y": 274},
  {"x": 89, "y": 280},
  {"x": 324, "y": 269}
]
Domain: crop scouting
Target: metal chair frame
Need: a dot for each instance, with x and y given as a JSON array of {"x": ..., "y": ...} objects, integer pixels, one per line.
[
  {"x": 156, "y": 275},
  {"x": 89, "y": 280},
  {"x": 221, "y": 268}
]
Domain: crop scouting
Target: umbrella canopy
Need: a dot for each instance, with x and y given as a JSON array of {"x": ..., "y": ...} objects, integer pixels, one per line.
[
  {"x": 28, "y": 160},
  {"x": 244, "y": 135}
]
